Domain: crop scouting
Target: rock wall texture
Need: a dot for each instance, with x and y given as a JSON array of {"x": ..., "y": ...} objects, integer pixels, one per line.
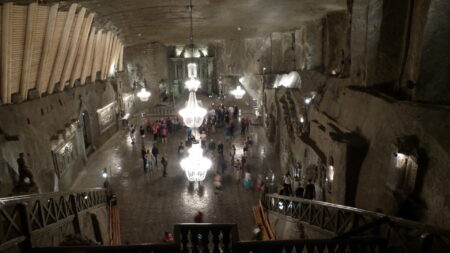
[
  {"x": 376, "y": 97},
  {"x": 149, "y": 62},
  {"x": 51, "y": 132}
]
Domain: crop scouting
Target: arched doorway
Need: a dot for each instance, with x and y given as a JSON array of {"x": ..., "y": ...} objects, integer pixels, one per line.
[{"x": 86, "y": 130}]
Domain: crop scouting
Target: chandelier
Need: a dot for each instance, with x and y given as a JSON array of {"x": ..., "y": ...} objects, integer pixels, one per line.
[
  {"x": 195, "y": 165},
  {"x": 238, "y": 93},
  {"x": 193, "y": 114},
  {"x": 144, "y": 95},
  {"x": 192, "y": 84}
]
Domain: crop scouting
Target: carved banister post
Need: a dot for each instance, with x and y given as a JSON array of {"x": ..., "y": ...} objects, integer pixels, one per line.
[{"x": 76, "y": 220}]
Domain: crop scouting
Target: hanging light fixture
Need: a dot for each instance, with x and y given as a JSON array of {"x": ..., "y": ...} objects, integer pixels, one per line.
[
  {"x": 144, "y": 95},
  {"x": 196, "y": 165},
  {"x": 193, "y": 114},
  {"x": 238, "y": 93},
  {"x": 192, "y": 83}
]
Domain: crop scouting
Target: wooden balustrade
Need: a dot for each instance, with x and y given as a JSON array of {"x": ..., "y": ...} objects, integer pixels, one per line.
[{"x": 342, "y": 221}]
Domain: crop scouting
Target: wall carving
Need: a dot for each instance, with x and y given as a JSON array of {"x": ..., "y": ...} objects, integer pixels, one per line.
[
  {"x": 65, "y": 149},
  {"x": 106, "y": 117}
]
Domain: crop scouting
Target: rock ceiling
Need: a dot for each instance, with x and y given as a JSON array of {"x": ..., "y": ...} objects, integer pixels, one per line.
[
  {"x": 167, "y": 21},
  {"x": 143, "y": 21}
]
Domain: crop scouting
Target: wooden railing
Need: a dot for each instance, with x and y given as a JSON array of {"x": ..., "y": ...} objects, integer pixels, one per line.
[
  {"x": 215, "y": 238},
  {"x": 205, "y": 237},
  {"x": 23, "y": 216},
  {"x": 343, "y": 222}
]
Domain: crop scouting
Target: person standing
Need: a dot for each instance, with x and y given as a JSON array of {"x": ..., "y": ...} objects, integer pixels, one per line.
[
  {"x": 132, "y": 132},
  {"x": 144, "y": 157},
  {"x": 232, "y": 154},
  {"x": 287, "y": 181},
  {"x": 24, "y": 172},
  {"x": 310, "y": 190},
  {"x": 165, "y": 163},
  {"x": 142, "y": 131},
  {"x": 149, "y": 158},
  {"x": 155, "y": 153},
  {"x": 180, "y": 149},
  {"x": 212, "y": 146},
  {"x": 155, "y": 132},
  {"x": 203, "y": 139},
  {"x": 164, "y": 134},
  {"x": 220, "y": 148}
]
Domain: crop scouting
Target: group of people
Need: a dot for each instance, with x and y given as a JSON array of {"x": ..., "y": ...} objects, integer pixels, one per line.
[
  {"x": 307, "y": 192},
  {"x": 158, "y": 128},
  {"x": 150, "y": 159}
]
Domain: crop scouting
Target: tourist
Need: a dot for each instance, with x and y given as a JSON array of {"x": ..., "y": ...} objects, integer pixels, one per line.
[
  {"x": 198, "y": 218},
  {"x": 232, "y": 154},
  {"x": 220, "y": 148},
  {"x": 203, "y": 139},
  {"x": 168, "y": 237},
  {"x": 149, "y": 126},
  {"x": 299, "y": 192},
  {"x": 164, "y": 162},
  {"x": 144, "y": 158},
  {"x": 212, "y": 146},
  {"x": 155, "y": 153},
  {"x": 180, "y": 149},
  {"x": 148, "y": 157},
  {"x": 235, "y": 112},
  {"x": 164, "y": 134},
  {"x": 218, "y": 183},
  {"x": 310, "y": 190},
  {"x": 188, "y": 132},
  {"x": 259, "y": 183},
  {"x": 155, "y": 132},
  {"x": 142, "y": 131},
  {"x": 248, "y": 180},
  {"x": 287, "y": 181},
  {"x": 24, "y": 172},
  {"x": 132, "y": 131},
  {"x": 237, "y": 170}
]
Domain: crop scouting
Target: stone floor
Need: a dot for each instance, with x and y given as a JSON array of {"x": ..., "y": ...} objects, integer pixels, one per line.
[{"x": 152, "y": 204}]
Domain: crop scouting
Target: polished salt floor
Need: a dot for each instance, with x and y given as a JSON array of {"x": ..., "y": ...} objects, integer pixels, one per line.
[{"x": 151, "y": 204}]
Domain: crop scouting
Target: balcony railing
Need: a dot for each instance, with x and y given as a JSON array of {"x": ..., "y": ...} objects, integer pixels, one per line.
[
  {"x": 343, "y": 222},
  {"x": 23, "y": 216}
]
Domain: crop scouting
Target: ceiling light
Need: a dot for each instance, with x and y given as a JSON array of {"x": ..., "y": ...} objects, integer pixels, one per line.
[
  {"x": 193, "y": 114},
  {"x": 238, "y": 93},
  {"x": 239, "y": 28},
  {"x": 144, "y": 95},
  {"x": 196, "y": 165}
]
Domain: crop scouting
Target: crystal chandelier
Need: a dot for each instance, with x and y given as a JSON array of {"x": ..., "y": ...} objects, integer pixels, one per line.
[
  {"x": 196, "y": 165},
  {"x": 144, "y": 95},
  {"x": 238, "y": 93},
  {"x": 192, "y": 84},
  {"x": 193, "y": 114}
]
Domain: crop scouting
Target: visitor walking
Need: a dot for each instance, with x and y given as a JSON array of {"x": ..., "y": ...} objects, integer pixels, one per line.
[
  {"x": 310, "y": 190},
  {"x": 155, "y": 153},
  {"x": 212, "y": 146},
  {"x": 164, "y": 162},
  {"x": 164, "y": 134},
  {"x": 180, "y": 149},
  {"x": 203, "y": 139},
  {"x": 232, "y": 154},
  {"x": 155, "y": 132},
  {"x": 220, "y": 148},
  {"x": 287, "y": 181},
  {"x": 144, "y": 157},
  {"x": 218, "y": 183},
  {"x": 149, "y": 158},
  {"x": 142, "y": 131},
  {"x": 132, "y": 132}
]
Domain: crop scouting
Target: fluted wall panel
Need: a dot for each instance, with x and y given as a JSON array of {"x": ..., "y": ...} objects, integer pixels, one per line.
[{"x": 47, "y": 49}]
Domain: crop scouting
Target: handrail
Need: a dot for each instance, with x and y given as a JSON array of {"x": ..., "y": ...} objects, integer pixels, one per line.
[
  {"x": 22, "y": 217},
  {"x": 344, "y": 220},
  {"x": 5, "y": 200},
  {"x": 403, "y": 222}
]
